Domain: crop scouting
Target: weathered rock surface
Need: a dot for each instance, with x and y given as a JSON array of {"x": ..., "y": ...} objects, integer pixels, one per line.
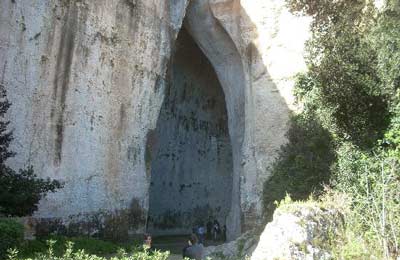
[
  {"x": 239, "y": 248},
  {"x": 189, "y": 153},
  {"x": 87, "y": 80},
  {"x": 297, "y": 232}
]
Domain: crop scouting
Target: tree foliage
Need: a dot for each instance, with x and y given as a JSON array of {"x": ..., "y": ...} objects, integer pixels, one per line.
[
  {"x": 352, "y": 91},
  {"x": 11, "y": 235},
  {"x": 342, "y": 64}
]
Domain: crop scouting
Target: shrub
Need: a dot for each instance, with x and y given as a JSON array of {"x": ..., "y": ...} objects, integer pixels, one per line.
[
  {"x": 11, "y": 235},
  {"x": 343, "y": 82},
  {"x": 352, "y": 88},
  {"x": 20, "y": 193},
  {"x": 372, "y": 182},
  {"x": 71, "y": 254},
  {"x": 90, "y": 245}
]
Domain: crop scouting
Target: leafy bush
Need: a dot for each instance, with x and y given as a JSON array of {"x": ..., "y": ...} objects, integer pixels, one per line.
[
  {"x": 71, "y": 254},
  {"x": 90, "y": 245},
  {"x": 93, "y": 246},
  {"x": 373, "y": 183},
  {"x": 20, "y": 193},
  {"x": 352, "y": 90},
  {"x": 11, "y": 235},
  {"x": 342, "y": 82}
]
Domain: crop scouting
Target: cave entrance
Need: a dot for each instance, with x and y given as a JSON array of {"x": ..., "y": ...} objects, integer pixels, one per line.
[{"x": 189, "y": 154}]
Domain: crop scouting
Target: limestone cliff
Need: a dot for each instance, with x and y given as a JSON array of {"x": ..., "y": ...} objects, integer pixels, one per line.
[{"x": 88, "y": 80}]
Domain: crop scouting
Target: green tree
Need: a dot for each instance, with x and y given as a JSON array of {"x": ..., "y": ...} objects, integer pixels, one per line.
[
  {"x": 343, "y": 65},
  {"x": 352, "y": 87}
]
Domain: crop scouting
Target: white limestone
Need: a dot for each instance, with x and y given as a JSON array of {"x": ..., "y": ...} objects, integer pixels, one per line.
[
  {"x": 300, "y": 233},
  {"x": 87, "y": 80}
]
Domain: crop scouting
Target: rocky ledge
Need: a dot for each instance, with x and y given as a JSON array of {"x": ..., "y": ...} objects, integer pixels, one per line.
[{"x": 298, "y": 231}]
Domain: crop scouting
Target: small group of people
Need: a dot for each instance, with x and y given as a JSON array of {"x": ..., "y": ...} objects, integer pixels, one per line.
[
  {"x": 212, "y": 231},
  {"x": 195, "y": 245},
  {"x": 194, "y": 250}
]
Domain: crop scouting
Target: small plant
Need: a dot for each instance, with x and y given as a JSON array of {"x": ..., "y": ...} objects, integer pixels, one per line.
[{"x": 11, "y": 235}]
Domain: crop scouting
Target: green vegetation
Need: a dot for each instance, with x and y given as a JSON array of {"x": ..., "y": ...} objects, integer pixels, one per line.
[
  {"x": 348, "y": 134},
  {"x": 72, "y": 253},
  {"x": 11, "y": 235},
  {"x": 89, "y": 245},
  {"x": 19, "y": 192}
]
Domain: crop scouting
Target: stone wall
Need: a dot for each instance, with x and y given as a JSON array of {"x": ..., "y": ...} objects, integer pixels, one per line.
[{"x": 87, "y": 80}]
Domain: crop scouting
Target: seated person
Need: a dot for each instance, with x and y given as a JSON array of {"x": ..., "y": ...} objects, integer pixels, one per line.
[
  {"x": 147, "y": 243},
  {"x": 147, "y": 240},
  {"x": 194, "y": 250}
]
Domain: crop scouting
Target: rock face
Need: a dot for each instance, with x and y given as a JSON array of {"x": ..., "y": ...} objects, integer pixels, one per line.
[
  {"x": 298, "y": 232},
  {"x": 189, "y": 153},
  {"x": 90, "y": 86},
  {"x": 240, "y": 248},
  {"x": 302, "y": 232}
]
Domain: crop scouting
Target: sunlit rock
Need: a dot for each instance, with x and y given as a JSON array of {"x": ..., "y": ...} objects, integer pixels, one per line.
[{"x": 88, "y": 79}]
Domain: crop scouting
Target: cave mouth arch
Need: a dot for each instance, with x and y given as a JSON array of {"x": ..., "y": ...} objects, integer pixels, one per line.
[{"x": 189, "y": 153}]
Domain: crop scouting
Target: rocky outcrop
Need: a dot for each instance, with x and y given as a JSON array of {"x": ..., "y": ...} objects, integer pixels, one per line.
[
  {"x": 298, "y": 232},
  {"x": 240, "y": 248},
  {"x": 87, "y": 80}
]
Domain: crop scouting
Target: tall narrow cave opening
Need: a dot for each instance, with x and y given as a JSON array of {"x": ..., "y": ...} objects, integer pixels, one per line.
[{"x": 189, "y": 154}]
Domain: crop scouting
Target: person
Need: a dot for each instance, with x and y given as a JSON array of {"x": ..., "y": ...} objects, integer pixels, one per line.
[
  {"x": 201, "y": 233},
  {"x": 194, "y": 250},
  {"x": 148, "y": 242},
  {"x": 224, "y": 233},
  {"x": 216, "y": 230},
  {"x": 209, "y": 228}
]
